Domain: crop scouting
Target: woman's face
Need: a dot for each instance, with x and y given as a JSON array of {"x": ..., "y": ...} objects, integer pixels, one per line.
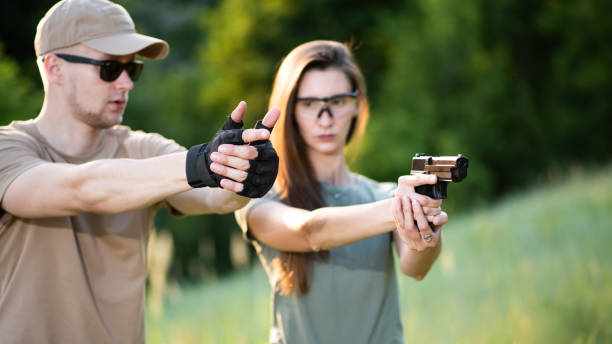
[{"x": 324, "y": 110}]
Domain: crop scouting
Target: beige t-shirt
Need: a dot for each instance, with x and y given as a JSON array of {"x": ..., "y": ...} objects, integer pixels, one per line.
[{"x": 73, "y": 279}]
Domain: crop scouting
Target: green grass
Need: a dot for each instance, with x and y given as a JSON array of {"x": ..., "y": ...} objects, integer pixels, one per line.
[{"x": 535, "y": 268}]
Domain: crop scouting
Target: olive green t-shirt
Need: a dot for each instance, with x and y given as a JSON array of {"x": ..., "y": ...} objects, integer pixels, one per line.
[
  {"x": 353, "y": 296},
  {"x": 73, "y": 279}
]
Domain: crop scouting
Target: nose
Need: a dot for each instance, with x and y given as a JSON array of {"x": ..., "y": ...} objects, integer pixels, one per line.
[
  {"x": 325, "y": 120},
  {"x": 124, "y": 82},
  {"x": 323, "y": 110}
]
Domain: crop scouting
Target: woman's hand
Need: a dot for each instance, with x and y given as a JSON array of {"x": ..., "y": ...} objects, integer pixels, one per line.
[
  {"x": 413, "y": 211},
  {"x": 412, "y": 225},
  {"x": 431, "y": 207}
]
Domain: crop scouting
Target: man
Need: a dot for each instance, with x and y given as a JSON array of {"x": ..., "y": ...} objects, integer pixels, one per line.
[{"x": 78, "y": 191}]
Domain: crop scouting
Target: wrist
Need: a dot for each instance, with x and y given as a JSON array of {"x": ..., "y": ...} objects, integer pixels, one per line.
[{"x": 197, "y": 167}]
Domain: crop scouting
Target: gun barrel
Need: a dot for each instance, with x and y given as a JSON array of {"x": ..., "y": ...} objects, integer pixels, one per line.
[{"x": 446, "y": 168}]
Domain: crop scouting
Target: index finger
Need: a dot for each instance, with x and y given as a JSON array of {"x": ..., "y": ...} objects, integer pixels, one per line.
[
  {"x": 418, "y": 179},
  {"x": 252, "y": 135},
  {"x": 427, "y": 201},
  {"x": 271, "y": 117}
]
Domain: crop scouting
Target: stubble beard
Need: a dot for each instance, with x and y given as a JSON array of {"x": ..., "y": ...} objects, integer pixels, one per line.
[{"x": 94, "y": 119}]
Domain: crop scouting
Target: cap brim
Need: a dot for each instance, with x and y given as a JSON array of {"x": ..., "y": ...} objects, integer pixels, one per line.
[{"x": 130, "y": 43}]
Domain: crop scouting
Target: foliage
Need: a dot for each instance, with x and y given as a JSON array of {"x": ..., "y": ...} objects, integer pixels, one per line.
[
  {"x": 535, "y": 268},
  {"x": 18, "y": 98},
  {"x": 519, "y": 87}
]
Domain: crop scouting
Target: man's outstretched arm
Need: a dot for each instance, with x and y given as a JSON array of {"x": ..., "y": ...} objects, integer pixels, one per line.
[{"x": 120, "y": 185}]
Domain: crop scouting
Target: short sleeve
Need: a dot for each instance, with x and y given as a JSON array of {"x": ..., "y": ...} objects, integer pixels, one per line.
[
  {"x": 141, "y": 145},
  {"x": 18, "y": 153},
  {"x": 242, "y": 214}
]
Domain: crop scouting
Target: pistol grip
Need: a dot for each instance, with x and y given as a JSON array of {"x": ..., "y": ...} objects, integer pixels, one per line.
[{"x": 436, "y": 191}]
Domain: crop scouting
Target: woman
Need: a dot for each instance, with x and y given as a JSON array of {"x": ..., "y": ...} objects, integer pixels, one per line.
[{"x": 324, "y": 234}]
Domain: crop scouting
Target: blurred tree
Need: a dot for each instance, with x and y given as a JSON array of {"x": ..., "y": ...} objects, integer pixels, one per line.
[
  {"x": 19, "y": 99},
  {"x": 519, "y": 87},
  {"x": 246, "y": 41},
  {"x": 18, "y": 20}
]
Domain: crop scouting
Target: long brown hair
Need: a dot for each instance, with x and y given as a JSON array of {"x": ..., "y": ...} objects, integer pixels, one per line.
[{"x": 296, "y": 180}]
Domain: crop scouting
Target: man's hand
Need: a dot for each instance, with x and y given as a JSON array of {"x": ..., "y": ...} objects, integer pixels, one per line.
[
  {"x": 257, "y": 173},
  {"x": 229, "y": 163}
]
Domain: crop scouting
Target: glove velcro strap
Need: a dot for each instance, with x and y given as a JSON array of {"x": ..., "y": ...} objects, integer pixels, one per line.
[{"x": 196, "y": 161}]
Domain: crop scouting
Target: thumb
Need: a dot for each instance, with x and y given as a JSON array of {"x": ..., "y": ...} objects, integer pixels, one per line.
[{"x": 239, "y": 111}]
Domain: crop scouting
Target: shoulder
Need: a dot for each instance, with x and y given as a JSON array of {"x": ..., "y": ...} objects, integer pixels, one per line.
[
  {"x": 141, "y": 144},
  {"x": 242, "y": 214},
  {"x": 18, "y": 133},
  {"x": 380, "y": 190},
  {"x": 124, "y": 132},
  {"x": 272, "y": 196},
  {"x": 20, "y": 151}
]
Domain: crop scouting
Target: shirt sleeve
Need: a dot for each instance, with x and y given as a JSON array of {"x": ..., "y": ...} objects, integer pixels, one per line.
[
  {"x": 141, "y": 145},
  {"x": 18, "y": 153}
]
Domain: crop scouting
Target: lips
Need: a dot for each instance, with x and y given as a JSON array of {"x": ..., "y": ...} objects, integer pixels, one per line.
[
  {"x": 118, "y": 103},
  {"x": 327, "y": 137}
]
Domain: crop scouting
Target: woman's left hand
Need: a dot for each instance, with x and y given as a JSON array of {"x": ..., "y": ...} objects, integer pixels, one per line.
[{"x": 411, "y": 219}]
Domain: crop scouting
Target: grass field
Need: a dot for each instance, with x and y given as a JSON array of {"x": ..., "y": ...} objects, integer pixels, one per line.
[{"x": 535, "y": 268}]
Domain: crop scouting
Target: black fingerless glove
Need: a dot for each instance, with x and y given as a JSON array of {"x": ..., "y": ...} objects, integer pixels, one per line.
[
  {"x": 262, "y": 170},
  {"x": 198, "y": 162}
]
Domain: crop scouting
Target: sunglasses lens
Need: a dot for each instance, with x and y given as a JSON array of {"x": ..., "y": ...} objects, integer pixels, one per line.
[
  {"x": 134, "y": 70},
  {"x": 110, "y": 70}
]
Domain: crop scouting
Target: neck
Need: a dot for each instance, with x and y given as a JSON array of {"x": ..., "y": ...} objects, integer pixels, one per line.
[
  {"x": 65, "y": 133},
  {"x": 331, "y": 169}
]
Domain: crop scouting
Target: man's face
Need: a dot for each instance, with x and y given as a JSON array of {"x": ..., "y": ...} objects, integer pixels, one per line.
[{"x": 91, "y": 100}]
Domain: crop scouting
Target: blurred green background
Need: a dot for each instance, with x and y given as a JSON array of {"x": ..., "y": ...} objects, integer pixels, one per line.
[{"x": 523, "y": 88}]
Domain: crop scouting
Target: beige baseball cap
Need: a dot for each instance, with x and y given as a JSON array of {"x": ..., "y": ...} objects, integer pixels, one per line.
[{"x": 98, "y": 24}]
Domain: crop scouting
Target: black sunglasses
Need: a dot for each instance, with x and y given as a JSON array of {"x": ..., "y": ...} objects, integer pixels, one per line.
[{"x": 109, "y": 69}]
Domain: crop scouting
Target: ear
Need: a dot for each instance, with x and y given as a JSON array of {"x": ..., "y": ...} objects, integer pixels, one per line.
[{"x": 54, "y": 69}]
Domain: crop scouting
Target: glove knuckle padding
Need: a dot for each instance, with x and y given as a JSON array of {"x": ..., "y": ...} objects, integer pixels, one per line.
[
  {"x": 266, "y": 153},
  {"x": 231, "y": 136},
  {"x": 263, "y": 169},
  {"x": 260, "y": 177}
]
